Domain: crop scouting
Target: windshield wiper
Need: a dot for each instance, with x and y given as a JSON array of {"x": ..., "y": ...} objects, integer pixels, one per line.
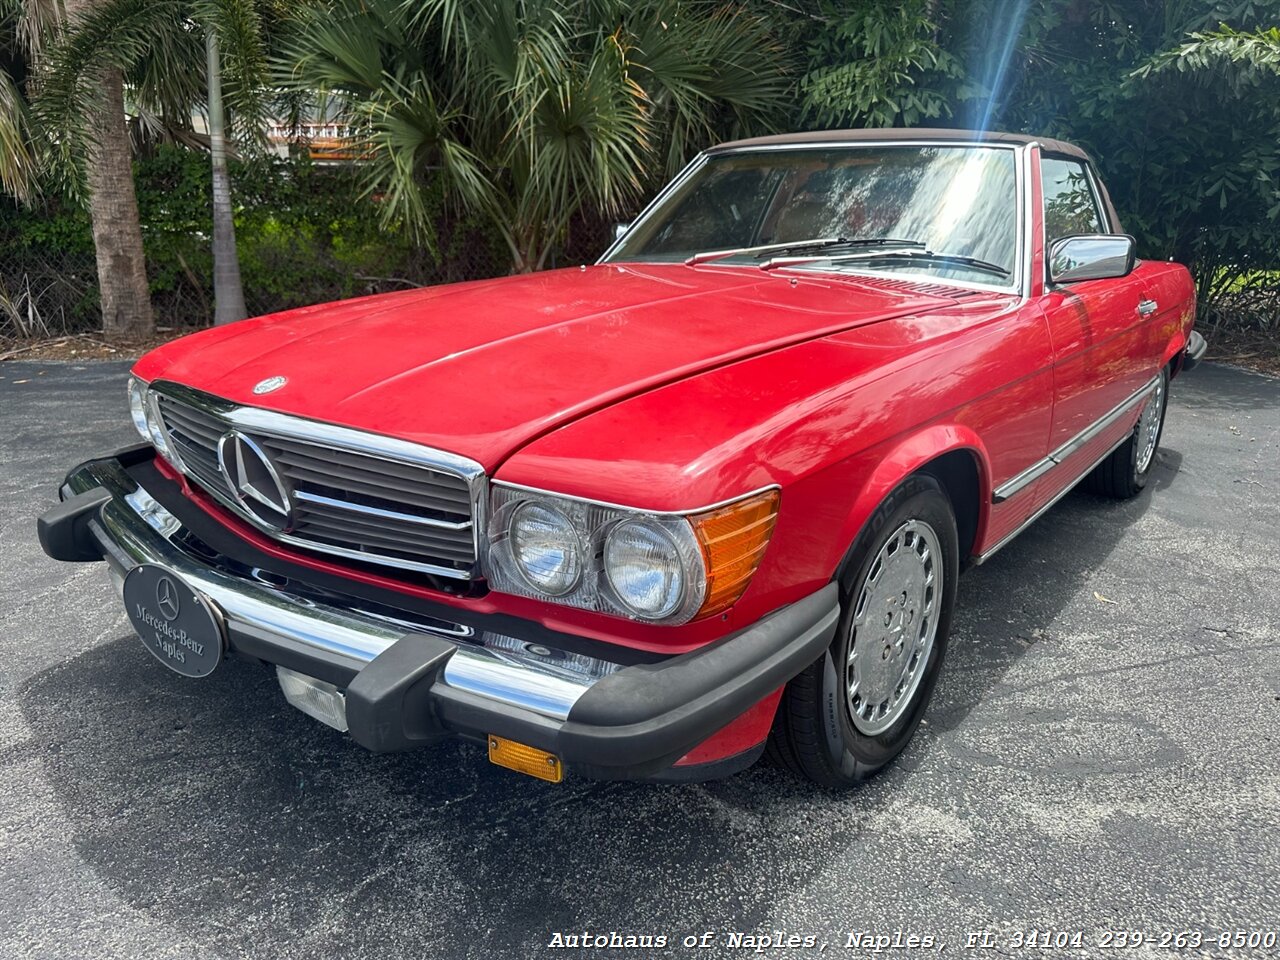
[
  {"x": 984, "y": 265},
  {"x": 819, "y": 243}
]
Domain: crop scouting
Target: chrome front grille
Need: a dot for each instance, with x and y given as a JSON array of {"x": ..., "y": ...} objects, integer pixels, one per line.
[
  {"x": 353, "y": 494},
  {"x": 194, "y": 434}
]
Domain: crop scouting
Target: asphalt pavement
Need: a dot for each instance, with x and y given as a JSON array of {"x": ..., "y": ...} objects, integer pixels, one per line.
[{"x": 1102, "y": 755}]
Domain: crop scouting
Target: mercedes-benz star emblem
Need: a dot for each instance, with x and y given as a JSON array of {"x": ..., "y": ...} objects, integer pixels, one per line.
[
  {"x": 254, "y": 482},
  {"x": 167, "y": 598},
  {"x": 269, "y": 385}
]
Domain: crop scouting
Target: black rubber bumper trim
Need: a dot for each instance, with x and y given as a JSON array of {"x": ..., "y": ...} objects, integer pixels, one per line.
[
  {"x": 634, "y": 723},
  {"x": 127, "y": 457},
  {"x": 657, "y": 712},
  {"x": 64, "y": 531},
  {"x": 1195, "y": 350},
  {"x": 389, "y": 701}
]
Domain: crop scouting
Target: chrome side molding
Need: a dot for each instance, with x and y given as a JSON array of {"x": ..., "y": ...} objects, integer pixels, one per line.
[
  {"x": 1038, "y": 469},
  {"x": 1008, "y": 537}
]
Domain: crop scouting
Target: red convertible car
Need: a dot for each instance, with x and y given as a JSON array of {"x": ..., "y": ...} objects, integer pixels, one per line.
[{"x": 651, "y": 517}]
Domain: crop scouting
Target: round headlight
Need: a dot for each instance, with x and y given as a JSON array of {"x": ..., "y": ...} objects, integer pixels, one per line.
[
  {"x": 138, "y": 406},
  {"x": 643, "y": 566},
  {"x": 546, "y": 548}
]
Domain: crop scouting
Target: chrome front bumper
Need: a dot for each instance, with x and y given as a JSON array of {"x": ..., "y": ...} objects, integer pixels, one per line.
[
  {"x": 411, "y": 677},
  {"x": 133, "y": 528}
]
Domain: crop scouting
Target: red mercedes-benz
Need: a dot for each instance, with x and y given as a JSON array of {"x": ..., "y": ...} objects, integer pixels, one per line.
[{"x": 651, "y": 517}]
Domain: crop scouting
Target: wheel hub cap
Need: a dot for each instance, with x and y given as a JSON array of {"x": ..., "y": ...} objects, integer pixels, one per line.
[{"x": 893, "y": 627}]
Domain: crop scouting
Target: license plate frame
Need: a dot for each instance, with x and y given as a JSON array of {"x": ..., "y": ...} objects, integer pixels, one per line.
[{"x": 178, "y": 625}]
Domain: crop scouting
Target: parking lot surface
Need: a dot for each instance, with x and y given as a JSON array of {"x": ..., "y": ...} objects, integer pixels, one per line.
[{"x": 1102, "y": 754}]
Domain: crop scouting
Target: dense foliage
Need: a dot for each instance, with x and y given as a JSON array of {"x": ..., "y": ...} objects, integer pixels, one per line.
[
  {"x": 879, "y": 65},
  {"x": 496, "y": 132},
  {"x": 531, "y": 111},
  {"x": 302, "y": 239},
  {"x": 1188, "y": 141}
]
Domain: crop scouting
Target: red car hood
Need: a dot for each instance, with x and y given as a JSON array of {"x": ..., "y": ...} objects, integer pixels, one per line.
[{"x": 482, "y": 368}]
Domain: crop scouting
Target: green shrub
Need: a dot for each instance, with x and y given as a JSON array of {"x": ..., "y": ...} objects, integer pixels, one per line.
[{"x": 304, "y": 234}]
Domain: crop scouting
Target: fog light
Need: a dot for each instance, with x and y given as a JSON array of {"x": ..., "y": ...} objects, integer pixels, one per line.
[{"x": 315, "y": 698}]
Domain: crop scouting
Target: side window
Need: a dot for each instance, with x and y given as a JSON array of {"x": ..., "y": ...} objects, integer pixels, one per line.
[{"x": 1069, "y": 204}]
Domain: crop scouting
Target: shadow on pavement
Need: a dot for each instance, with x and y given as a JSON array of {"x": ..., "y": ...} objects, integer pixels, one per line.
[
  {"x": 1008, "y": 604},
  {"x": 216, "y": 808}
]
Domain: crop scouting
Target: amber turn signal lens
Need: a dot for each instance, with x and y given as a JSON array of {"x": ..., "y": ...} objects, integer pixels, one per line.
[
  {"x": 525, "y": 759},
  {"x": 733, "y": 541}
]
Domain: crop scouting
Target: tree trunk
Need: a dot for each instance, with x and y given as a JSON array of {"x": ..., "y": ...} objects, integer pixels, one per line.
[
  {"x": 228, "y": 292},
  {"x": 113, "y": 208}
]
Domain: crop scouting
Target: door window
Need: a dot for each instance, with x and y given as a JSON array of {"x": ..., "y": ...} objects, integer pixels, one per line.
[{"x": 1070, "y": 206}]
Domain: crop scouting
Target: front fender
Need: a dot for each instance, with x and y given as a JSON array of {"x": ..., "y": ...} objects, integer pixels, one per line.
[{"x": 909, "y": 455}]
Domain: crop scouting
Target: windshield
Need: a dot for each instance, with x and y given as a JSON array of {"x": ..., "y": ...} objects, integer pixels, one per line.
[{"x": 939, "y": 202}]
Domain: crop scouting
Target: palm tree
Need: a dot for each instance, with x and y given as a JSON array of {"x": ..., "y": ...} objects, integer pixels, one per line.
[
  {"x": 113, "y": 206},
  {"x": 179, "y": 55},
  {"x": 534, "y": 110}
]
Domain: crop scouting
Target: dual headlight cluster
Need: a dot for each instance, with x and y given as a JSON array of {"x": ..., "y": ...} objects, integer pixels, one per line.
[
  {"x": 662, "y": 568},
  {"x": 146, "y": 418}
]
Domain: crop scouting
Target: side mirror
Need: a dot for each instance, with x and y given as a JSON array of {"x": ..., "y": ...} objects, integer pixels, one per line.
[
  {"x": 619, "y": 229},
  {"x": 1093, "y": 256}
]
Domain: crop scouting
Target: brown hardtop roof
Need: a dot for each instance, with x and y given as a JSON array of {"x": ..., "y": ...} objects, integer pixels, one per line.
[{"x": 907, "y": 134}]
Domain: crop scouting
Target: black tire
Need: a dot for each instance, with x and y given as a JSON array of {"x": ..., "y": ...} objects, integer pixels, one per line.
[
  {"x": 1121, "y": 475},
  {"x": 813, "y": 733}
]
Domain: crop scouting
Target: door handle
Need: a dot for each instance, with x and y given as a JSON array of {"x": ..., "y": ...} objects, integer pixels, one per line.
[{"x": 1146, "y": 307}]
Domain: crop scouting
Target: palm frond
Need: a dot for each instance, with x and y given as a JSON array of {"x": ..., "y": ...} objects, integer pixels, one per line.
[
  {"x": 410, "y": 134},
  {"x": 119, "y": 34},
  {"x": 243, "y": 54},
  {"x": 347, "y": 49},
  {"x": 534, "y": 110},
  {"x": 168, "y": 81},
  {"x": 702, "y": 64},
  {"x": 590, "y": 143},
  {"x": 18, "y": 168},
  {"x": 37, "y": 21}
]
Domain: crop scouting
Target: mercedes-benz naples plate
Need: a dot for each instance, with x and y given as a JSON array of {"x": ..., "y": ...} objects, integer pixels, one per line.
[{"x": 178, "y": 625}]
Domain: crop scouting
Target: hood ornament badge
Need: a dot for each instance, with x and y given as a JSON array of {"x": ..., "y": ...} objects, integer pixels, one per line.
[{"x": 269, "y": 385}]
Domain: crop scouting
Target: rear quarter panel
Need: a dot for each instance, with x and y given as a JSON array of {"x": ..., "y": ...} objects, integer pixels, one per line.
[{"x": 1170, "y": 285}]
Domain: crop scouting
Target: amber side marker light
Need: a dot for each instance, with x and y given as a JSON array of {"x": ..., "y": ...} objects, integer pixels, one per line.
[
  {"x": 525, "y": 759},
  {"x": 733, "y": 541}
]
